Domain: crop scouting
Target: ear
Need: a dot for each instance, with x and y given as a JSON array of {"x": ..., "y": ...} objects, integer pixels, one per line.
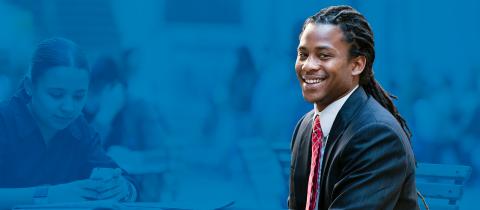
[
  {"x": 358, "y": 64},
  {"x": 28, "y": 85}
]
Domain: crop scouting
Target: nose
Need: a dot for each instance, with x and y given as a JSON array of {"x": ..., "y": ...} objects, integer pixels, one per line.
[
  {"x": 68, "y": 106},
  {"x": 311, "y": 64}
]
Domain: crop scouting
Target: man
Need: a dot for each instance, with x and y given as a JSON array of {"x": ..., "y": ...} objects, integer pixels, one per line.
[{"x": 352, "y": 151}]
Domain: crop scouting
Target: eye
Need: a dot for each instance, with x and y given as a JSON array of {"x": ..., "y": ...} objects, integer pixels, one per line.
[
  {"x": 79, "y": 97},
  {"x": 324, "y": 56},
  {"x": 55, "y": 95},
  {"x": 302, "y": 55}
]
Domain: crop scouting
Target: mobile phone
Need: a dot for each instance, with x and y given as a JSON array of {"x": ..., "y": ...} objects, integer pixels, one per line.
[{"x": 105, "y": 173}]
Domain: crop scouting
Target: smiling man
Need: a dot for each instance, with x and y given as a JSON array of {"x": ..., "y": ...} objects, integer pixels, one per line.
[{"x": 352, "y": 151}]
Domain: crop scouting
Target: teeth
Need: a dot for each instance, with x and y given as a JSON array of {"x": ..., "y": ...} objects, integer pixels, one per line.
[{"x": 312, "y": 81}]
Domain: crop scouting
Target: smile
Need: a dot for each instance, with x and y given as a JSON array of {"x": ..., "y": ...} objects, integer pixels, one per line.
[
  {"x": 63, "y": 118},
  {"x": 312, "y": 81}
]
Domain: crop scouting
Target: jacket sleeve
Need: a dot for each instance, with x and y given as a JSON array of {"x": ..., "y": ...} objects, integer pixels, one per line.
[
  {"x": 3, "y": 140},
  {"x": 291, "y": 203},
  {"x": 375, "y": 166},
  {"x": 97, "y": 157}
]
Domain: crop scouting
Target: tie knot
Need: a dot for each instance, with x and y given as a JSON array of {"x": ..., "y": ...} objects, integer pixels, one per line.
[
  {"x": 317, "y": 134},
  {"x": 316, "y": 122}
]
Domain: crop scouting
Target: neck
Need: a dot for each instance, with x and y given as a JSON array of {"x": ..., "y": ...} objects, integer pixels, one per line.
[
  {"x": 47, "y": 132},
  {"x": 319, "y": 106}
]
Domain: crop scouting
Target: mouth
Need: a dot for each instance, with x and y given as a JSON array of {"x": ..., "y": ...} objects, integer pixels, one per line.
[
  {"x": 63, "y": 119},
  {"x": 310, "y": 80}
]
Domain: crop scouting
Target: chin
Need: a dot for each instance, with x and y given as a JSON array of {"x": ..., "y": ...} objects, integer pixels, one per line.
[
  {"x": 311, "y": 100},
  {"x": 59, "y": 126}
]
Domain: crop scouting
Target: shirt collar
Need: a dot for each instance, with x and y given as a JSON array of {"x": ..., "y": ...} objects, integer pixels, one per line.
[{"x": 328, "y": 115}]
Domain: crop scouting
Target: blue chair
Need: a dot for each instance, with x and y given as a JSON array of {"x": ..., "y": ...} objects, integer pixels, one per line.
[
  {"x": 440, "y": 186},
  {"x": 282, "y": 152}
]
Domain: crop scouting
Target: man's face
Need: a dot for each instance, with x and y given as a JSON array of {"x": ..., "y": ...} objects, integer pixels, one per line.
[{"x": 323, "y": 66}]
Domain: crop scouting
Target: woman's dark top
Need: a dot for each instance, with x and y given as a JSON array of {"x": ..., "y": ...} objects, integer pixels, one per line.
[{"x": 26, "y": 161}]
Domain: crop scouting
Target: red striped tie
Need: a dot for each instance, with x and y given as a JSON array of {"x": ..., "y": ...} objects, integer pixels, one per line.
[{"x": 317, "y": 136}]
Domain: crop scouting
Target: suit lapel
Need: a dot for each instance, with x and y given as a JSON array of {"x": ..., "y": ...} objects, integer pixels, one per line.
[
  {"x": 347, "y": 112},
  {"x": 302, "y": 160},
  {"x": 306, "y": 143},
  {"x": 342, "y": 120}
]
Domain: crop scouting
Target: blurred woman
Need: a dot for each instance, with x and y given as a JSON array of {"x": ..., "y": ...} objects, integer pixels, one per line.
[{"x": 47, "y": 149}]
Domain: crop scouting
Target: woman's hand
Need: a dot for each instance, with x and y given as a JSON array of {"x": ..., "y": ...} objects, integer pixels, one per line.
[
  {"x": 116, "y": 189},
  {"x": 112, "y": 187},
  {"x": 77, "y": 191}
]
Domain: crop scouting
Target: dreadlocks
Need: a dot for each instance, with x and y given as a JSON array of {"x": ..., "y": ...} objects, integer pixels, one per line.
[{"x": 359, "y": 35}]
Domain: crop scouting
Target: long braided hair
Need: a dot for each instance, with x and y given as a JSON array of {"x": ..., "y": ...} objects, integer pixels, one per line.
[{"x": 359, "y": 35}]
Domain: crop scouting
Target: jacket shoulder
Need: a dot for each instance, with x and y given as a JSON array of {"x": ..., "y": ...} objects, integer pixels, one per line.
[
  {"x": 6, "y": 113},
  {"x": 375, "y": 124},
  {"x": 300, "y": 126},
  {"x": 375, "y": 115},
  {"x": 6, "y": 121},
  {"x": 84, "y": 132}
]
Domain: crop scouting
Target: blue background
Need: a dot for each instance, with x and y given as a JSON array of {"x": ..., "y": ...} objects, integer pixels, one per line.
[{"x": 218, "y": 80}]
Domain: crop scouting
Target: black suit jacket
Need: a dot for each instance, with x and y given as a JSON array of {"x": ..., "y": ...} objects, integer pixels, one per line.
[{"x": 368, "y": 162}]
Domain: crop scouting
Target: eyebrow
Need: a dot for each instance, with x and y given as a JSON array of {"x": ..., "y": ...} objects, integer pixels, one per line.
[
  {"x": 318, "y": 48},
  {"x": 55, "y": 89},
  {"x": 61, "y": 89}
]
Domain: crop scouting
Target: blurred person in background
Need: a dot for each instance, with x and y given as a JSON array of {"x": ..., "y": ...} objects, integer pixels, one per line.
[
  {"x": 47, "y": 149},
  {"x": 236, "y": 123},
  {"x": 122, "y": 120},
  {"x": 132, "y": 128}
]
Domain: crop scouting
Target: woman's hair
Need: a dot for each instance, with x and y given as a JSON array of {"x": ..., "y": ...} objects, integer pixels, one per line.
[
  {"x": 56, "y": 52},
  {"x": 358, "y": 33}
]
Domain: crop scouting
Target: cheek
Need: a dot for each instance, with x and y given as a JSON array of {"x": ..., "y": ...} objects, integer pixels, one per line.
[
  {"x": 42, "y": 102},
  {"x": 81, "y": 104},
  {"x": 42, "y": 107},
  {"x": 339, "y": 69},
  {"x": 334, "y": 65},
  {"x": 298, "y": 67}
]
